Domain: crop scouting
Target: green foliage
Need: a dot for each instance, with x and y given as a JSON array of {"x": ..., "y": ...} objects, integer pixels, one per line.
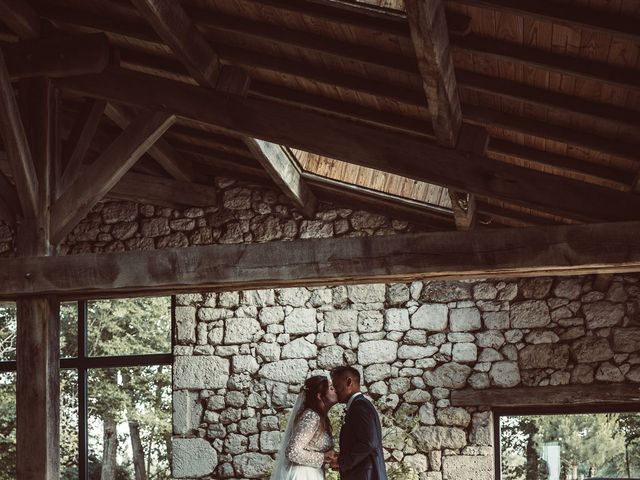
[
  {"x": 140, "y": 394},
  {"x": 591, "y": 444}
]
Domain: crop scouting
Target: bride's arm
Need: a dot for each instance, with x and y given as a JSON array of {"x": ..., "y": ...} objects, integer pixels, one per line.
[{"x": 303, "y": 433}]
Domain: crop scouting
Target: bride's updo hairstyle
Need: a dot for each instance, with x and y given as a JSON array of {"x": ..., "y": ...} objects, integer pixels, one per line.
[{"x": 318, "y": 384}]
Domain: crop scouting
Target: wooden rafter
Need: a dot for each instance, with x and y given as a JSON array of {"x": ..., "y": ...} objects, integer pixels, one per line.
[
  {"x": 9, "y": 196},
  {"x": 539, "y": 129},
  {"x": 282, "y": 166},
  {"x": 502, "y": 88},
  {"x": 431, "y": 43},
  {"x": 473, "y": 139},
  {"x": 20, "y": 18},
  {"x": 177, "y": 30},
  {"x": 106, "y": 171},
  {"x": 544, "y": 60},
  {"x": 562, "y": 250},
  {"x": 565, "y": 15},
  {"x": 161, "y": 151},
  {"x": 80, "y": 140},
  {"x": 57, "y": 56},
  {"x": 359, "y": 143},
  {"x": 17, "y": 146},
  {"x": 163, "y": 191}
]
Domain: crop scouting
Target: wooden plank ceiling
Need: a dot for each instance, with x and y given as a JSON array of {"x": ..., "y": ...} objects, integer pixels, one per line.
[{"x": 556, "y": 86}]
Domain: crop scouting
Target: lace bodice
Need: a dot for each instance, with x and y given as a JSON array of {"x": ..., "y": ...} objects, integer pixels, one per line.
[{"x": 309, "y": 441}]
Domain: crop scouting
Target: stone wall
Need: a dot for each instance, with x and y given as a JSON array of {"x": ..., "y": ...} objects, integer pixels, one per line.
[{"x": 242, "y": 356}]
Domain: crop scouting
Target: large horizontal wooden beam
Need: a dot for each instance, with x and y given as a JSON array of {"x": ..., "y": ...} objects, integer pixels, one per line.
[
  {"x": 359, "y": 143},
  {"x": 548, "y": 397},
  {"x": 565, "y": 250},
  {"x": 57, "y": 56}
]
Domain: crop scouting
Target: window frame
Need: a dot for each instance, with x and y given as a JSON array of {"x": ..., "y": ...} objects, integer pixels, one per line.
[
  {"x": 82, "y": 363},
  {"x": 497, "y": 413}
]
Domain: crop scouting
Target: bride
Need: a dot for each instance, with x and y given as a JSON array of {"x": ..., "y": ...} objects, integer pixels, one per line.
[{"x": 307, "y": 441}]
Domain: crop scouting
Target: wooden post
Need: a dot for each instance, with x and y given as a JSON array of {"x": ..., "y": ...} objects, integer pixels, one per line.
[{"x": 38, "y": 345}]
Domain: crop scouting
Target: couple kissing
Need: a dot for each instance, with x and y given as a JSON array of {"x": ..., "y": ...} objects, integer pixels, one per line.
[{"x": 307, "y": 446}]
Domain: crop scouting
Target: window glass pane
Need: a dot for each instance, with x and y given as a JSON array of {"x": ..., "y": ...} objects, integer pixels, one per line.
[
  {"x": 68, "y": 424},
  {"x": 131, "y": 326},
  {"x": 7, "y": 331},
  {"x": 572, "y": 447},
  {"x": 129, "y": 411},
  {"x": 7, "y": 426},
  {"x": 69, "y": 329}
]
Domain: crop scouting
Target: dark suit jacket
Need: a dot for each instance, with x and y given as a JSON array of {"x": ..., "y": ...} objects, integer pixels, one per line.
[{"x": 361, "y": 456}]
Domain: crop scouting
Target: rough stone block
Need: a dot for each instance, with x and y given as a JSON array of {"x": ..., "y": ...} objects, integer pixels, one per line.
[
  {"x": 199, "y": 373},
  {"x": 467, "y": 467},
  {"x": 193, "y": 457}
]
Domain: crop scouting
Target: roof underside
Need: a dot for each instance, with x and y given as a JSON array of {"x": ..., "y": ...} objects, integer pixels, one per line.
[{"x": 555, "y": 84}]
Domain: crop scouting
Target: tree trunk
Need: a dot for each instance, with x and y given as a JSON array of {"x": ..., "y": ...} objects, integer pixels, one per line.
[
  {"x": 138, "y": 451},
  {"x": 110, "y": 448},
  {"x": 626, "y": 460}
]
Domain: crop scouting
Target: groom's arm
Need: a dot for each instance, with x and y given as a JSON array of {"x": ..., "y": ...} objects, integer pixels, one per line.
[{"x": 362, "y": 437}]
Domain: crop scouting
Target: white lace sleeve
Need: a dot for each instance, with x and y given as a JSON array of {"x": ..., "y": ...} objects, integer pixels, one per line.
[{"x": 298, "y": 449}]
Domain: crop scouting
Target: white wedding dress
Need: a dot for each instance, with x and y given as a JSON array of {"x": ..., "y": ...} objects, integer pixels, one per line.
[{"x": 302, "y": 451}]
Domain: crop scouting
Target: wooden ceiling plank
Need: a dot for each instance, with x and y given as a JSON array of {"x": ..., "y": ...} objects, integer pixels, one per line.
[
  {"x": 537, "y": 96},
  {"x": 17, "y": 146},
  {"x": 20, "y": 18},
  {"x": 549, "y": 61},
  {"x": 358, "y": 143},
  {"x": 176, "y": 29},
  {"x": 539, "y": 129},
  {"x": 431, "y": 43},
  {"x": 161, "y": 151},
  {"x": 489, "y": 253},
  {"x": 282, "y": 166},
  {"x": 58, "y": 56},
  {"x": 565, "y": 15},
  {"x": 106, "y": 171},
  {"x": 80, "y": 140}
]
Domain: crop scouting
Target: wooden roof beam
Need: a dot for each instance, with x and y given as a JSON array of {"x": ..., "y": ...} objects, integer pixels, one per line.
[
  {"x": 161, "y": 151},
  {"x": 176, "y": 29},
  {"x": 489, "y": 253},
  {"x": 431, "y": 43},
  {"x": 163, "y": 191},
  {"x": 473, "y": 139},
  {"x": 231, "y": 80},
  {"x": 20, "y": 18},
  {"x": 358, "y": 143},
  {"x": 17, "y": 146},
  {"x": 282, "y": 166},
  {"x": 80, "y": 139},
  {"x": 502, "y": 88},
  {"x": 544, "y": 60},
  {"x": 106, "y": 171},
  {"x": 539, "y": 129},
  {"x": 566, "y": 15},
  {"x": 57, "y": 56}
]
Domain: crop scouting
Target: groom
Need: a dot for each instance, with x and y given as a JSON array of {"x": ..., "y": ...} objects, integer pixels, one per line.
[{"x": 361, "y": 456}]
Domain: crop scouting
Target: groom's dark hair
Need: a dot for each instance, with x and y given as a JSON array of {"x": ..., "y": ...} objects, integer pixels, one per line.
[{"x": 346, "y": 371}]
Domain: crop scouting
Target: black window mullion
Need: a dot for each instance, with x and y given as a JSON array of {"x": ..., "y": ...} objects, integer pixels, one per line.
[
  {"x": 8, "y": 366},
  {"x": 83, "y": 394}
]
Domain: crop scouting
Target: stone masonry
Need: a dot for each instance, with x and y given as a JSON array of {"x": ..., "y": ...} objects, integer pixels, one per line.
[{"x": 242, "y": 357}]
